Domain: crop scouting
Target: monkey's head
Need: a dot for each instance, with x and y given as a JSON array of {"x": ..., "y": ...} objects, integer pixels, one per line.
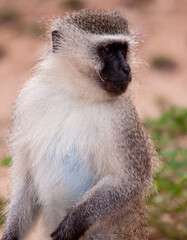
[{"x": 97, "y": 49}]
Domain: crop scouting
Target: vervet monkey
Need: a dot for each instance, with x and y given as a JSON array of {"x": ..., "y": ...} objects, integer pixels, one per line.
[{"x": 82, "y": 160}]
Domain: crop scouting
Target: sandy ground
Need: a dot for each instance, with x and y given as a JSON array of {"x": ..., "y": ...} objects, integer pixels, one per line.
[{"x": 162, "y": 25}]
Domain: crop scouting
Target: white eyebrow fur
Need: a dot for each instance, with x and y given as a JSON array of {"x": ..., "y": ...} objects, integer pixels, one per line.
[{"x": 118, "y": 38}]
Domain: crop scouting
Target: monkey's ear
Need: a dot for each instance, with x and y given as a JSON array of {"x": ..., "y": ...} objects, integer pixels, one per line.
[{"x": 56, "y": 36}]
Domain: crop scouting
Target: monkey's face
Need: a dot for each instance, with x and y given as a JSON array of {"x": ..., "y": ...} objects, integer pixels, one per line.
[
  {"x": 115, "y": 74},
  {"x": 95, "y": 63}
]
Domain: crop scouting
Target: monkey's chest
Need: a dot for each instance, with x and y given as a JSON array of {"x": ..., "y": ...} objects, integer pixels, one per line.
[
  {"x": 78, "y": 154},
  {"x": 76, "y": 174}
]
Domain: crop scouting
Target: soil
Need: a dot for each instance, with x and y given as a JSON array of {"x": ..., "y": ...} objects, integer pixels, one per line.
[{"x": 161, "y": 24}]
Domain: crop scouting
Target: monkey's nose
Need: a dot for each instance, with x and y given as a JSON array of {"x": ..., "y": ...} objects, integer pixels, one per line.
[{"x": 126, "y": 71}]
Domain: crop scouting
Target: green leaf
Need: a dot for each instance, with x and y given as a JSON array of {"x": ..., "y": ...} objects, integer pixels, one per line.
[{"x": 6, "y": 161}]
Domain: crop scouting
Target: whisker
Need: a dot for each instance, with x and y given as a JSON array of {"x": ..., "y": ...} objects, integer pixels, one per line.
[{"x": 100, "y": 77}]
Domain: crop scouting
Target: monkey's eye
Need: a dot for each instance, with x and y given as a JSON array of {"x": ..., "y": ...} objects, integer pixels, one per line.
[
  {"x": 106, "y": 51},
  {"x": 123, "y": 51}
]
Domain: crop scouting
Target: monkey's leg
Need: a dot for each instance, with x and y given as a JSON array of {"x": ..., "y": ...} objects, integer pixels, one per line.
[
  {"x": 48, "y": 220},
  {"x": 23, "y": 209},
  {"x": 127, "y": 224},
  {"x": 109, "y": 195},
  {"x": 43, "y": 230}
]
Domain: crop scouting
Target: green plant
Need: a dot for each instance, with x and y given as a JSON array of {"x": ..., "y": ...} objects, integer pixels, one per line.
[
  {"x": 2, "y": 216},
  {"x": 167, "y": 209},
  {"x": 168, "y": 128},
  {"x": 6, "y": 161}
]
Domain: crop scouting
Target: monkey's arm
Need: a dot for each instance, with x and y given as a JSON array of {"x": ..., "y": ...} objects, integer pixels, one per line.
[
  {"x": 23, "y": 209},
  {"x": 109, "y": 195}
]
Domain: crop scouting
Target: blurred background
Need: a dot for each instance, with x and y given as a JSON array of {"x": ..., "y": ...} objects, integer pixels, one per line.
[{"x": 161, "y": 94}]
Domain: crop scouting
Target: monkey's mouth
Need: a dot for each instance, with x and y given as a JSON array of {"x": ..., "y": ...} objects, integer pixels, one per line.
[
  {"x": 114, "y": 87},
  {"x": 115, "y": 84}
]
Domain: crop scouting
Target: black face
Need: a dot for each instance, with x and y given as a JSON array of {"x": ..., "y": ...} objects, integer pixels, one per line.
[{"x": 116, "y": 73}]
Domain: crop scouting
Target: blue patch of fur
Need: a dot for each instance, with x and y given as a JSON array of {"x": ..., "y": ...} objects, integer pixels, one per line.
[{"x": 76, "y": 175}]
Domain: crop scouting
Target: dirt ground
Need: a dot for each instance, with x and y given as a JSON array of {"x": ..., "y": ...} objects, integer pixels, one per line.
[{"x": 162, "y": 25}]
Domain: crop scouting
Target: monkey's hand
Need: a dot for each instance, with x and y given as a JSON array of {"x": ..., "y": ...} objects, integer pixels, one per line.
[
  {"x": 110, "y": 194},
  {"x": 70, "y": 228}
]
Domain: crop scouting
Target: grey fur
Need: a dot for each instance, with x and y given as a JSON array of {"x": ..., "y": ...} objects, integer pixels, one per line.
[
  {"x": 24, "y": 209},
  {"x": 115, "y": 209},
  {"x": 63, "y": 118},
  {"x": 98, "y": 22}
]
